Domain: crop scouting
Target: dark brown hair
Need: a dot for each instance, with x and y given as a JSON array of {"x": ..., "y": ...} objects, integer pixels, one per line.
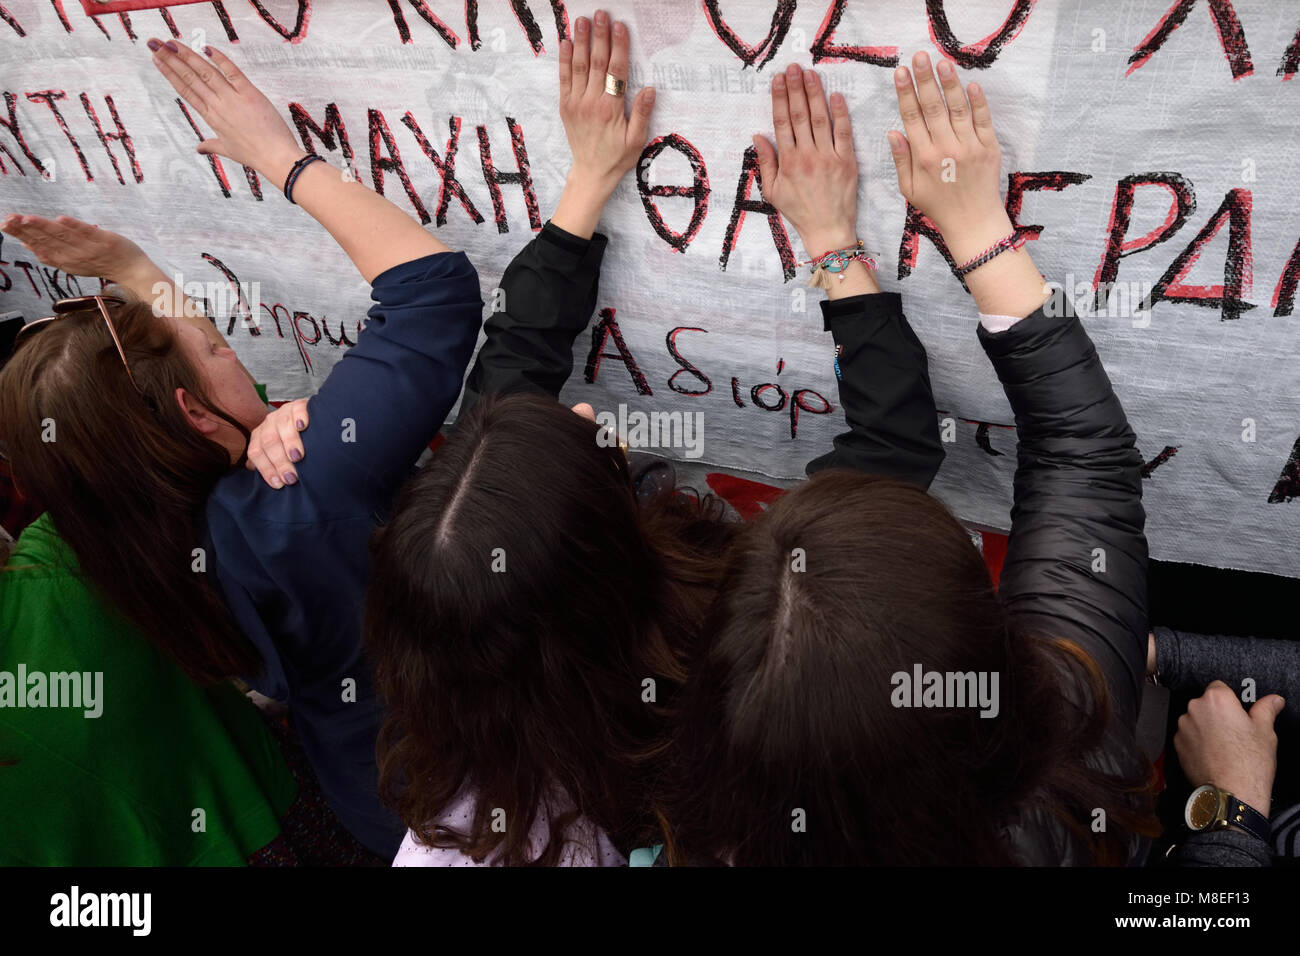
[
  {"x": 788, "y": 718},
  {"x": 519, "y": 601},
  {"x": 125, "y": 474}
]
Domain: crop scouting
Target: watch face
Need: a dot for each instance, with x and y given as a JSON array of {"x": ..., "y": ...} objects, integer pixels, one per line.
[{"x": 1202, "y": 808}]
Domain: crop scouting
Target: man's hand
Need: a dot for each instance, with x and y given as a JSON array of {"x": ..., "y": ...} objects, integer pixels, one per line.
[{"x": 1218, "y": 742}]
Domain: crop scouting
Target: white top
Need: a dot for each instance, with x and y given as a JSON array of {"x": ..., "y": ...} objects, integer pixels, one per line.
[
  {"x": 999, "y": 323},
  {"x": 585, "y": 843}
]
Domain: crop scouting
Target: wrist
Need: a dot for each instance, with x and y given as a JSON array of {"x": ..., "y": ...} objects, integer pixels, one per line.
[
  {"x": 140, "y": 276},
  {"x": 822, "y": 241},
  {"x": 968, "y": 237},
  {"x": 277, "y": 168},
  {"x": 1257, "y": 795},
  {"x": 581, "y": 204},
  {"x": 591, "y": 186}
]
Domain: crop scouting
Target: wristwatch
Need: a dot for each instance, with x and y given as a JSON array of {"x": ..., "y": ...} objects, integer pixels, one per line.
[{"x": 1212, "y": 808}]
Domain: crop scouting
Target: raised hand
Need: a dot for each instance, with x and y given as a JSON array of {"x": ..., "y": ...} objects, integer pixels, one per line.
[
  {"x": 248, "y": 129},
  {"x": 77, "y": 247},
  {"x": 811, "y": 176},
  {"x": 80, "y": 249},
  {"x": 949, "y": 163},
  {"x": 949, "y": 167},
  {"x": 604, "y": 140}
]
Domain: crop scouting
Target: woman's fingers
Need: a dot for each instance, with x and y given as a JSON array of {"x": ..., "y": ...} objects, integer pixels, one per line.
[
  {"x": 767, "y": 163},
  {"x": 819, "y": 116},
  {"x": 843, "y": 125},
  {"x": 902, "y": 154},
  {"x": 259, "y": 460},
  {"x": 182, "y": 79},
  {"x": 618, "y": 54},
  {"x": 205, "y": 72},
  {"x": 638, "y": 123},
  {"x": 290, "y": 440},
  {"x": 233, "y": 74},
  {"x": 581, "y": 68},
  {"x": 959, "y": 113},
  {"x": 932, "y": 104},
  {"x": 566, "y": 69},
  {"x": 599, "y": 54},
  {"x": 781, "y": 115},
  {"x": 798, "y": 106},
  {"x": 909, "y": 108},
  {"x": 981, "y": 118}
]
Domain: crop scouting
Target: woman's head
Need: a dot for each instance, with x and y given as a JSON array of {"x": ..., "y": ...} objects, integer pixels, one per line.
[
  {"x": 806, "y": 736},
  {"x": 122, "y": 461},
  {"x": 525, "y": 624}
]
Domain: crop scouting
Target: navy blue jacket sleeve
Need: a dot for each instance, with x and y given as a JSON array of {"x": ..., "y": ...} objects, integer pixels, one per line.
[
  {"x": 885, "y": 391},
  {"x": 1076, "y": 564},
  {"x": 388, "y": 396},
  {"x": 548, "y": 293}
]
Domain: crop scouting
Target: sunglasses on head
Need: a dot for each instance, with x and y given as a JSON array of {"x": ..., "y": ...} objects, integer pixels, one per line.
[{"x": 83, "y": 303}]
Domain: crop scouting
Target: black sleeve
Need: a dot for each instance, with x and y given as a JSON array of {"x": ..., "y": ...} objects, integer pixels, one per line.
[
  {"x": 885, "y": 391},
  {"x": 1188, "y": 662},
  {"x": 547, "y": 296},
  {"x": 1076, "y": 563},
  {"x": 1229, "y": 847}
]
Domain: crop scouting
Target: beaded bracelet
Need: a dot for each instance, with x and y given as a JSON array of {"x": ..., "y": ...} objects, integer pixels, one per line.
[
  {"x": 835, "y": 261},
  {"x": 1013, "y": 241},
  {"x": 294, "y": 173}
]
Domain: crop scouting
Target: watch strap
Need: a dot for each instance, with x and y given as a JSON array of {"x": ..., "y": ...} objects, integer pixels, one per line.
[{"x": 1243, "y": 816}]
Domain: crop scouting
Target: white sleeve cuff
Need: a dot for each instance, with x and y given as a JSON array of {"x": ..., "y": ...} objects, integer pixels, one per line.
[{"x": 999, "y": 323}]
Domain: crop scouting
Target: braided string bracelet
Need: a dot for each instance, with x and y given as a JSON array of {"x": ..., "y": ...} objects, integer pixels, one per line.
[
  {"x": 1012, "y": 241},
  {"x": 294, "y": 173},
  {"x": 834, "y": 262}
]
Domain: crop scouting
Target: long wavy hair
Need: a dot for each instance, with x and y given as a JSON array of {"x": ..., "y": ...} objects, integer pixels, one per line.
[
  {"x": 530, "y": 626},
  {"x": 791, "y": 749},
  {"x": 123, "y": 474}
]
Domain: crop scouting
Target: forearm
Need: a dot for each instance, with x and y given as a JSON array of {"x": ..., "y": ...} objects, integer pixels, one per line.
[
  {"x": 548, "y": 293},
  {"x": 1056, "y": 384},
  {"x": 1186, "y": 661},
  {"x": 375, "y": 234},
  {"x": 144, "y": 279},
  {"x": 1008, "y": 284},
  {"x": 885, "y": 392},
  {"x": 581, "y": 203}
]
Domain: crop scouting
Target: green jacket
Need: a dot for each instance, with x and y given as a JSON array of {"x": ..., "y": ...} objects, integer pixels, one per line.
[{"x": 168, "y": 772}]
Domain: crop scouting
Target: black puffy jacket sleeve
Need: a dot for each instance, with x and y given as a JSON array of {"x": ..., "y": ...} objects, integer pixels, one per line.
[
  {"x": 1076, "y": 563},
  {"x": 547, "y": 296},
  {"x": 885, "y": 391}
]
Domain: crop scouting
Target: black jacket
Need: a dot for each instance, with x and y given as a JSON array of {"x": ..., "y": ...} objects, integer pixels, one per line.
[
  {"x": 548, "y": 295},
  {"x": 1076, "y": 561},
  {"x": 885, "y": 391}
]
